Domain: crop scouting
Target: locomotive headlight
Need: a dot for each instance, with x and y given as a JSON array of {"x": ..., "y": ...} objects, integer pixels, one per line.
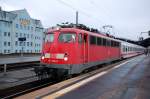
[
  {"x": 43, "y": 57},
  {"x": 65, "y": 58}
]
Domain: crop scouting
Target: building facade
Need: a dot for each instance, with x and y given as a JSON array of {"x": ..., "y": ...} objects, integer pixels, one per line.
[{"x": 18, "y": 24}]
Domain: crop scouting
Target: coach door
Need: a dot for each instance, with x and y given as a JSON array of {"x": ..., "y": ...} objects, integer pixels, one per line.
[{"x": 85, "y": 48}]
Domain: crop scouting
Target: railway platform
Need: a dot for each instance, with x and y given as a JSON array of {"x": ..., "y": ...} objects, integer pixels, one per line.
[
  {"x": 17, "y": 77},
  {"x": 18, "y": 59},
  {"x": 128, "y": 80}
]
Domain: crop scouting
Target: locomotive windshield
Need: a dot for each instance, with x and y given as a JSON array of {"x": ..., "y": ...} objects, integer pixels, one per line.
[
  {"x": 67, "y": 37},
  {"x": 49, "y": 37}
]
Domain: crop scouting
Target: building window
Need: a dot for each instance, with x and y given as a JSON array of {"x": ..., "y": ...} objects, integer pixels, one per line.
[
  {"x": 24, "y": 43},
  {"x": 24, "y": 27},
  {"x": 16, "y": 34},
  {"x": 27, "y": 35},
  {"x": 5, "y": 51},
  {"x": 28, "y": 27},
  {"x": 5, "y": 43},
  {"x": 5, "y": 33},
  {"x": 9, "y": 34},
  {"x": 17, "y": 25},
  {"x": 21, "y": 26},
  {"x": 31, "y": 44},
  {"x": 8, "y": 43},
  {"x": 16, "y": 43},
  {"x": 31, "y": 35},
  {"x": 20, "y": 43},
  {"x": 24, "y": 35},
  {"x": 27, "y": 43},
  {"x": 32, "y": 28},
  {"x": 20, "y": 34}
]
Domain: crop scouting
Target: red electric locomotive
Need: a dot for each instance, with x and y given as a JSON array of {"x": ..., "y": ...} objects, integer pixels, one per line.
[{"x": 68, "y": 51}]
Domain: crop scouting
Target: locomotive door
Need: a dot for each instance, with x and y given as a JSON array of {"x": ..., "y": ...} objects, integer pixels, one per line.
[{"x": 85, "y": 48}]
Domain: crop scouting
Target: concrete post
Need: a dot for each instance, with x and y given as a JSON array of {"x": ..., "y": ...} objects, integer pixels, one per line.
[{"x": 5, "y": 69}]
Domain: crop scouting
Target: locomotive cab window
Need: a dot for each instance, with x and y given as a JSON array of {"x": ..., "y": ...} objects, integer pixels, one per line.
[
  {"x": 49, "y": 37},
  {"x": 67, "y": 37}
]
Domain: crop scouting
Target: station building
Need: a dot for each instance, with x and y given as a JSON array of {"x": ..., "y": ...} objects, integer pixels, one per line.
[{"x": 18, "y": 24}]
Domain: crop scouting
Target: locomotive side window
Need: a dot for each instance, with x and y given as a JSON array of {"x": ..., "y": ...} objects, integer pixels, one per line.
[
  {"x": 99, "y": 41},
  {"x": 85, "y": 38},
  {"x": 108, "y": 42},
  {"x": 49, "y": 37},
  {"x": 104, "y": 42},
  {"x": 92, "y": 40},
  {"x": 112, "y": 43},
  {"x": 67, "y": 37},
  {"x": 116, "y": 44},
  {"x": 80, "y": 38}
]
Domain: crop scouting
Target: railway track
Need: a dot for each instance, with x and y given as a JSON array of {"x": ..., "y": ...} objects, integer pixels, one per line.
[
  {"x": 24, "y": 88},
  {"x": 29, "y": 87}
]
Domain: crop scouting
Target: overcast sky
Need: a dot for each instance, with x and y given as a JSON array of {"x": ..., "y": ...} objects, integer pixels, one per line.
[{"x": 128, "y": 17}]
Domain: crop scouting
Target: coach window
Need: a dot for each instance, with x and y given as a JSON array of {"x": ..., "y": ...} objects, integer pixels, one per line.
[
  {"x": 99, "y": 41},
  {"x": 67, "y": 37},
  {"x": 126, "y": 49},
  {"x": 92, "y": 40},
  {"x": 80, "y": 38}
]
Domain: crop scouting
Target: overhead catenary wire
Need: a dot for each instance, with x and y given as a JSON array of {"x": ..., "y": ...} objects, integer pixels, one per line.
[
  {"x": 80, "y": 11},
  {"x": 89, "y": 15},
  {"x": 106, "y": 11}
]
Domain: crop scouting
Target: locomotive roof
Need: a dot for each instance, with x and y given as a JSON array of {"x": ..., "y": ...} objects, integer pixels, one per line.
[
  {"x": 82, "y": 31},
  {"x": 88, "y": 32}
]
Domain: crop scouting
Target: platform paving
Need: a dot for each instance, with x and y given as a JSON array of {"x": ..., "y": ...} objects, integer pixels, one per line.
[
  {"x": 128, "y": 81},
  {"x": 17, "y": 77},
  {"x": 19, "y": 59}
]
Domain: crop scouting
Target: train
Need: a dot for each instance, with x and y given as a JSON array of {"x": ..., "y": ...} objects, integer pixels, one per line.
[{"x": 69, "y": 51}]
